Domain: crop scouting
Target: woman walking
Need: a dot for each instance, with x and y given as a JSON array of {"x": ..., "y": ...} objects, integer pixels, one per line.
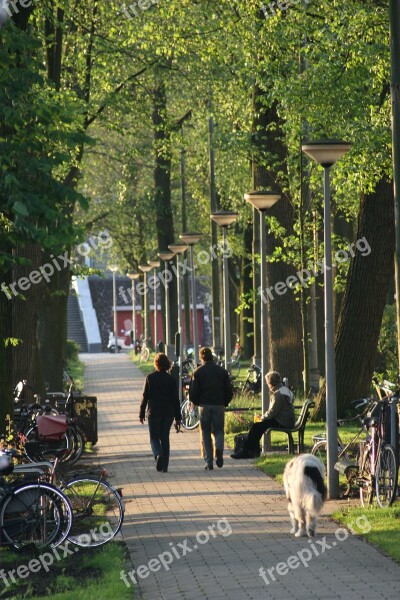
[{"x": 160, "y": 397}]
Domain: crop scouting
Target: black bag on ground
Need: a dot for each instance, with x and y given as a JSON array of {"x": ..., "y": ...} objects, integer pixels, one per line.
[{"x": 241, "y": 444}]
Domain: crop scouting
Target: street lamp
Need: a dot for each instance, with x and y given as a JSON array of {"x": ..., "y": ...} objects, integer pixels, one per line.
[
  {"x": 133, "y": 277},
  {"x": 166, "y": 257},
  {"x": 155, "y": 264},
  {"x": 179, "y": 249},
  {"x": 224, "y": 218},
  {"x": 262, "y": 201},
  {"x": 145, "y": 269},
  {"x": 114, "y": 269},
  {"x": 326, "y": 153},
  {"x": 191, "y": 239}
]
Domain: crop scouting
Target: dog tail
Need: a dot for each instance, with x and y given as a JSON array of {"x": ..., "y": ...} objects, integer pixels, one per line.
[{"x": 315, "y": 498}]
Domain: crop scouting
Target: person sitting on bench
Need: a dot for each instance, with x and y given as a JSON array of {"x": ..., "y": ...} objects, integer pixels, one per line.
[{"x": 279, "y": 414}]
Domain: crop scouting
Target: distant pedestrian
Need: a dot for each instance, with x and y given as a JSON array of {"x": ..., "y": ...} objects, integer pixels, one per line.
[
  {"x": 160, "y": 397},
  {"x": 211, "y": 390}
]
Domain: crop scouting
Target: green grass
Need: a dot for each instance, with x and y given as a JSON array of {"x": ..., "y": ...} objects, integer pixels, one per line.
[
  {"x": 145, "y": 367},
  {"x": 380, "y": 527},
  {"x": 89, "y": 574},
  {"x": 76, "y": 369}
]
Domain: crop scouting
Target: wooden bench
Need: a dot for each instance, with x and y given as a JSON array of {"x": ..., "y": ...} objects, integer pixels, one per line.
[{"x": 298, "y": 427}]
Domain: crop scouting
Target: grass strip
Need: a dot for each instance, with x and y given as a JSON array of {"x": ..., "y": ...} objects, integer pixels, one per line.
[{"x": 86, "y": 574}]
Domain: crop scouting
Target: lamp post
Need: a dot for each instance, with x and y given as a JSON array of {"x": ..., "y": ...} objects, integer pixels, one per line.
[
  {"x": 145, "y": 269},
  {"x": 326, "y": 153},
  {"x": 224, "y": 218},
  {"x": 166, "y": 257},
  {"x": 394, "y": 19},
  {"x": 155, "y": 264},
  {"x": 262, "y": 201},
  {"x": 114, "y": 269},
  {"x": 191, "y": 239},
  {"x": 133, "y": 277},
  {"x": 179, "y": 249}
]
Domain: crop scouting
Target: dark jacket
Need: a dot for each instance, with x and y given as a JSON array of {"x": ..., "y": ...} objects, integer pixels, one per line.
[
  {"x": 210, "y": 385},
  {"x": 281, "y": 408},
  {"x": 160, "y": 396}
]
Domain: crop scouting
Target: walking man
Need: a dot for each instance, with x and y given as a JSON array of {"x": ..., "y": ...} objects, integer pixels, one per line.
[{"x": 211, "y": 390}]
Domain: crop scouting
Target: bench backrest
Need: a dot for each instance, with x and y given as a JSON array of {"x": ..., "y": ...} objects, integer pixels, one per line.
[{"x": 305, "y": 411}]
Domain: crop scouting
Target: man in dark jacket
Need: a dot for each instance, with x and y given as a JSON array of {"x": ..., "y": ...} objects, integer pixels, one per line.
[
  {"x": 279, "y": 414},
  {"x": 211, "y": 390}
]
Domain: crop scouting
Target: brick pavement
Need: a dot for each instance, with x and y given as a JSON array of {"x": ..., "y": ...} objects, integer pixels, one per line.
[{"x": 244, "y": 509}]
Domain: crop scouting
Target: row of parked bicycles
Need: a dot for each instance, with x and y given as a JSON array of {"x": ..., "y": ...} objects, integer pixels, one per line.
[
  {"x": 372, "y": 463},
  {"x": 41, "y": 503}
]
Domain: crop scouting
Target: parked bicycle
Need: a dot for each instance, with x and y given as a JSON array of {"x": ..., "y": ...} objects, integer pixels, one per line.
[
  {"x": 252, "y": 383},
  {"x": 348, "y": 454},
  {"x": 235, "y": 357},
  {"x": 97, "y": 506},
  {"x": 144, "y": 352},
  {"x": 35, "y": 420},
  {"x": 378, "y": 462},
  {"x": 34, "y": 513}
]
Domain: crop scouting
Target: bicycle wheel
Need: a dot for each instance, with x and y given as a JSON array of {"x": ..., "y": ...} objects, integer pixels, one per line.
[
  {"x": 37, "y": 514},
  {"x": 366, "y": 479},
  {"x": 386, "y": 477},
  {"x": 98, "y": 511},
  {"x": 190, "y": 415},
  {"x": 77, "y": 444},
  {"x": 320, "y": 451}
]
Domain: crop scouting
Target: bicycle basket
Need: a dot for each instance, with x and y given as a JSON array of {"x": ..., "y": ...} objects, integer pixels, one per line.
[{"x": 51, "y": 427}]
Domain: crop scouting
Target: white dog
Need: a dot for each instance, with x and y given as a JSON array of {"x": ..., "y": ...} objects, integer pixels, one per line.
[{"x": 305, "y": 490}]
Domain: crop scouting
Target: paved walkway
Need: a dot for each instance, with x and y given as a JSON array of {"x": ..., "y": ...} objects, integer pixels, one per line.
[{"x": 197, "y": 535}]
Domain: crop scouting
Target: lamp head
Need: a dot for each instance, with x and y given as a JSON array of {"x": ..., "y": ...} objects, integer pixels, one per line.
[
  {"x": 166, "y": 255},
  {"x": 224, "y": 218},
  {"x": 154, "y": 264},
  {"x": 145, "y": 268},
  {"x": 326, "y": 152},
  {"x": 191, "y": 238},
  {"x": 262, "y": 200},
  {"x": 178, "y": 248}
]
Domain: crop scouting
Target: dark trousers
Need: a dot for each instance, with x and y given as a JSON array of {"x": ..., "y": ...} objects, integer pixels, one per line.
[
  {"x": 212, "y": 420},
  {"x": 257, "y": 431},
  {"x": 159, "y": 428}
]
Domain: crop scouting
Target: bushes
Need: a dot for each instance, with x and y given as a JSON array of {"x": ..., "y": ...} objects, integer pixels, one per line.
[{"x": 71, "y": 351}]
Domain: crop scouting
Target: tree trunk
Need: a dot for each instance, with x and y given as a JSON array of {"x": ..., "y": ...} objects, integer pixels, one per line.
[
  {"x": 284, "y": 319},
  {"x": 162, "y": 184},
  {"x": 52, "y": 329},
  {"x": 25, "y": 356},
  {"x": 246, "y": 283},
  {"x": 364, "y": 300},
  {"x": 6, "y": 383}
]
